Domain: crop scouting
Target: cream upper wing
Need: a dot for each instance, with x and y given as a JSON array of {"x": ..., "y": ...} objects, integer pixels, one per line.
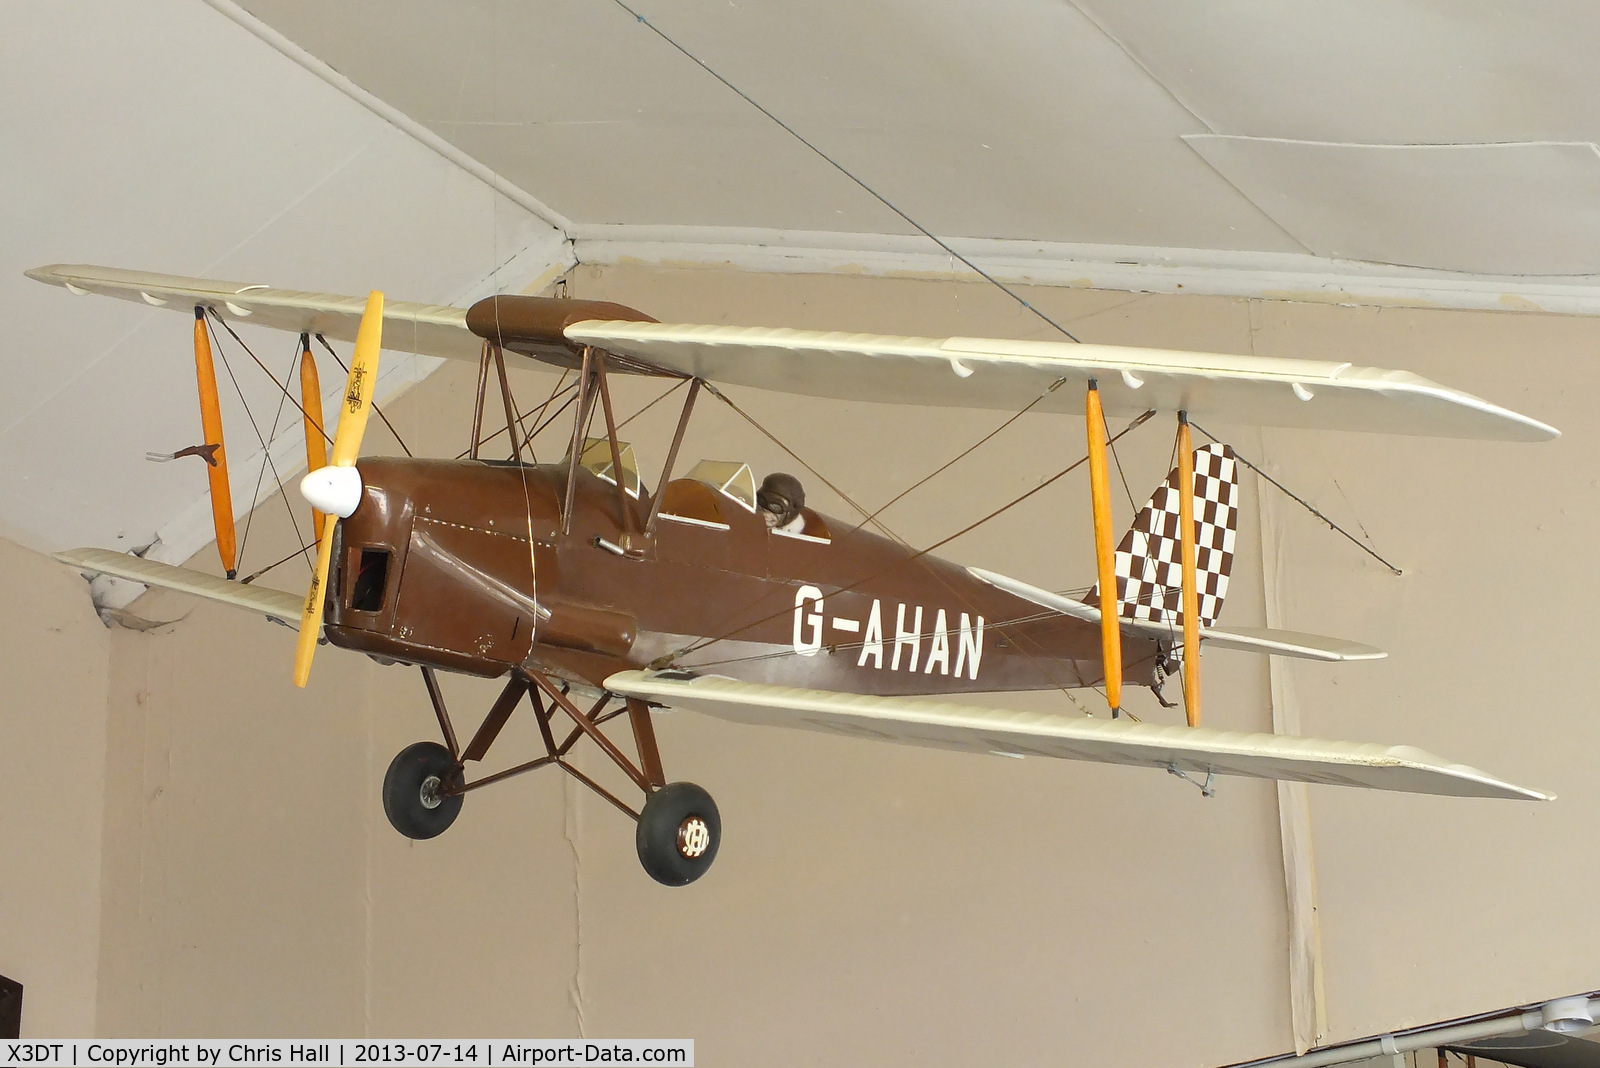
[
  {"x": 426, "y": 329},
  {"x": 992, "y": 373},
  {"x": 947, "y": 372},
  {"x": 973, "y": 728}
]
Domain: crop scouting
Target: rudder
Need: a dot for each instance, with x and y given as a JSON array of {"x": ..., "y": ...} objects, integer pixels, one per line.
[{"x": 1148, "y": 561}]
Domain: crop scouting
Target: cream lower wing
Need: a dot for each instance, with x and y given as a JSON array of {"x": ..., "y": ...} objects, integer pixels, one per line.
[
  {"x": 973, "y": 728},
  {"x": 274, "y": 604}
]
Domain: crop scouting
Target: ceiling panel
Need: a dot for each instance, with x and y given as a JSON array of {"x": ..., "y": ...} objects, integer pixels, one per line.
[
  {"x": 178, "y": 142},
  {"x": 1512, "y": 209},
  {"x": 1373, "y": 71},
  {"x": 1010, "y": 119}
]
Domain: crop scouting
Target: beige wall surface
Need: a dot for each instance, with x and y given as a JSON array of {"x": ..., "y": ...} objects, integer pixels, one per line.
[
  {"x": 878, "y": 904},
  {"x": 53, "y": 672},
  {"x": 1496, "y": 546}
]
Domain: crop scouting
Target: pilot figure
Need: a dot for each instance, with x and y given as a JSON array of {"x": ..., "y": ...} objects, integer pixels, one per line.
[{"x": 780, "y": 499}]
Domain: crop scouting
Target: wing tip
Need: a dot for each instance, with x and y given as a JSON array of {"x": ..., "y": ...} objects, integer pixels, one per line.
[
  {"x": 50, "y": 274},
  {"x": 76, "y": 557}
]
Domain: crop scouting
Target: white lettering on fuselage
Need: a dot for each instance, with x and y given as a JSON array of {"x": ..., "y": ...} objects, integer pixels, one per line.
[
  {"x": 807, "y": 644},
  {"x": 810, "y": 621}
]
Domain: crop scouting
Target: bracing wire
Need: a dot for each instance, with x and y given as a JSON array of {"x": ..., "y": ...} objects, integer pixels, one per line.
[
  {"x": 679, "y": 384},
  {"x": 276, "y": 563},
  {"x": 345, "y": 367},
  {"x": 725, "y": 399},
  {"x": 968, "y": 451},
  {"x": 534, "y": 417},
  {"x": 284, "y": 389},
  {"x": 261, "y": 476},
  {"x": 969, "y": 528},
  {"x": 1302, "y": 502},
  {"x": 872, "y": 518},
  {"x": 265, "y": 445}
]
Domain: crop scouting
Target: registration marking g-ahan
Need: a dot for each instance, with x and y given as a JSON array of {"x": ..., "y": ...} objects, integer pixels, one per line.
[{"x": 907, "y": 643}]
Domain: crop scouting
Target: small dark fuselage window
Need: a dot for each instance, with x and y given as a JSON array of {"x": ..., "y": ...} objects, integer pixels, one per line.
[{"x": 371, "y": 577}]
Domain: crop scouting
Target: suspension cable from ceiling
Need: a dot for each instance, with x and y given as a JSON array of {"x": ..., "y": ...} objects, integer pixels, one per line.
[{"x": 836, "y": 165}]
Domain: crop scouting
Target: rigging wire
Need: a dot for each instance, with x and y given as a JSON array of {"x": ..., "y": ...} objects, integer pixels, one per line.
[
  {"x": 552, "y": 419},
  {"x": 255, "y": 495},
  {"x": 276, "y": 563},
  {"x": 345, "y": 367},
  {"x": 534, "y": 417},
  {"x": 964, "y": 454},
  {"x": 1017, "y": 297},
  {"x": 679, "y": 384},
  {"x": 265, "y": 450},
  {"x": 836, "y": 165},
  {"x": 462, "y": 455},
  {"x": 960, "y": 596},
  {"x": 1034, "y": 651},
  {"x": 704, "y": 642},
  {"x": 1134, "y": 504},
  {"x": 725, "y": 399},
  {"x": 1302, "y": 502},
  {"x": 569, "y": 402},
  {"x": 212, "y": 312}
]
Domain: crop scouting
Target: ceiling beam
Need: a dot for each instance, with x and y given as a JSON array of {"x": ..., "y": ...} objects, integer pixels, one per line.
[{"x": 1260, "y": 275}]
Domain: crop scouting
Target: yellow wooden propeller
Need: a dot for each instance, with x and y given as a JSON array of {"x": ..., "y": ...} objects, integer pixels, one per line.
[{"x": 336, "y": 489}]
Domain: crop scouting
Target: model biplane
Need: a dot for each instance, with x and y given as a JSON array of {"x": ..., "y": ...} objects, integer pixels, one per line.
[{"x": 577, "y": 583}]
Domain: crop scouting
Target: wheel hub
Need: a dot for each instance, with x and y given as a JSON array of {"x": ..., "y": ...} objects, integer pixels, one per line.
[
  {"x": 430, "y": 793},
  {"x": 694, "y": 837}
]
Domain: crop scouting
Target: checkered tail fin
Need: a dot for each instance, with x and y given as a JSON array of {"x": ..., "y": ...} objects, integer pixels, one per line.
[{"x": 1149, "y": 567}]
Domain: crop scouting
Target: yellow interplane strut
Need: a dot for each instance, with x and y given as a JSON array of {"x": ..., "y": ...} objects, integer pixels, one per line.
[
  {"x": 1191, "y": 596},
  {"x": 316, "y": 439},
  {"x": 205, "y": 373},
  {"x": 1100, "y": 497}
]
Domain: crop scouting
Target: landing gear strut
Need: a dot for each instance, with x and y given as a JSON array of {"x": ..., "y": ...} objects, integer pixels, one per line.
[{"x": 679, "y": 828}]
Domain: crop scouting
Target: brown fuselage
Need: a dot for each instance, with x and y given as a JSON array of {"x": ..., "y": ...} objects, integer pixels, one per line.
[{"x": 462, "y": 565}]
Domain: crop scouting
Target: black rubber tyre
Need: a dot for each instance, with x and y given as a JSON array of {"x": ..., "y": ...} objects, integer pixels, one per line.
[
  {"x": 408, "y": 798},
  {"x": 678, "y": 835}
]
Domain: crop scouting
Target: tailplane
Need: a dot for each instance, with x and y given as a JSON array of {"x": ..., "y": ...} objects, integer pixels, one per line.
[{"x": 1148, "y": 563}]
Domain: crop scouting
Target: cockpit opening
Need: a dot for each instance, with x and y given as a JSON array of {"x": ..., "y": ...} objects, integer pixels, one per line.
[{"x": 596, "y": 457}]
